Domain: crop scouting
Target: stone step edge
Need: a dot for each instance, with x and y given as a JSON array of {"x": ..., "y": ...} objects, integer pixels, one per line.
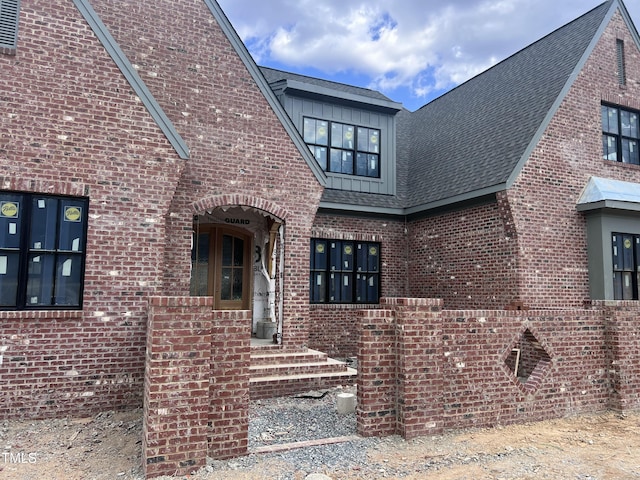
[
  {"x": 349, "y": 372},
  {"x": 328, "y": 362}
]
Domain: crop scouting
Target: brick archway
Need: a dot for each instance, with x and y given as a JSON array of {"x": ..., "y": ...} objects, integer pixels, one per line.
[{"x": 214, "y": 201}]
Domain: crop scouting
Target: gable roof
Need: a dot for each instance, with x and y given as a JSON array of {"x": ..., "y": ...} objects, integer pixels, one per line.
[{"x": 473, "y": 140}]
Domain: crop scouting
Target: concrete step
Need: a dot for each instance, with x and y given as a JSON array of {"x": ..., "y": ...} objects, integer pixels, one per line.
[
  {"x": 286, "y": 385},
  {"x": 279, "y": 357},
  {"x": 281, "y": 373},
  {"x": 329, "y": 365}
]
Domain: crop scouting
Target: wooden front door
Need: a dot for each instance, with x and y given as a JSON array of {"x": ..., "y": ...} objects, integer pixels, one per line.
[{"x": 221, "y": 266}]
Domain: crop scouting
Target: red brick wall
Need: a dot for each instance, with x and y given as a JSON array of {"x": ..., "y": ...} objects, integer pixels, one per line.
[
  {"x": 466, "y": 257},
  {"x": 71, "y": 125},
  {"x": 238, "y": 146},
  {"x": 421, "y": 371},
  {"x": 552, "y": 253}
]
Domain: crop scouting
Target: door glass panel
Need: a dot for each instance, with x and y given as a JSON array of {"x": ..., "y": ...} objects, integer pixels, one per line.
[
  {"x": 227, "y": 250},
  {"x": 200, "y": 266},
  {"x": 237, "y": 284},
  {"x": 225, "y": 283},
  {"x": 238, "y": 252},
  {"x": 232, "y": 268}
]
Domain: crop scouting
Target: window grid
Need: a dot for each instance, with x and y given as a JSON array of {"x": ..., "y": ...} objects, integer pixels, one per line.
[
  {"x": 343, "y": 148},
  {"x": 42, "y": 251},
  {"x": 344, "y": 271},
  {"x": 620, "y": 134}
]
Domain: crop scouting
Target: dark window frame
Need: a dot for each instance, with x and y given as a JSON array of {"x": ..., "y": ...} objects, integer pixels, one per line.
[
  {"x": 344, "y": 272},
  {"x": 43, "y": 242},
  {"x": 625, "y": 249},
  {"x": 9, "y": 20},
  {"x": 620, "y": 143},
  {"x": 344, "y": 148}
]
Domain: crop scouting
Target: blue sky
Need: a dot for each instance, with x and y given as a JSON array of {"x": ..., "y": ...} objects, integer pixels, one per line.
[{"x": 410, "y": 50}]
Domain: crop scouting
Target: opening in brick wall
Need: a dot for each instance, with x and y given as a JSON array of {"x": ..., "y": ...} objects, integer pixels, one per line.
[{"x": 528, "y": 361}]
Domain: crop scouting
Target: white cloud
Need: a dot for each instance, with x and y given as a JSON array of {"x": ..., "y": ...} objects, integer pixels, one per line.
[{"x": 419, "y": 45}]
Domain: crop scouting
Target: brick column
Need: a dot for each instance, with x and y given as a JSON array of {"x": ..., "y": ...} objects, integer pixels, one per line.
[
  {"x": 229, "y": 388},
  {"x": 376, "y": 410},
  {"x": 176, "y": 387},
  {"x": 420, "y": 356}
]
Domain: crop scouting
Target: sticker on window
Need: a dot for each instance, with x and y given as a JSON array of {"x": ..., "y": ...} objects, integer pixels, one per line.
[
  {"x": 72, "y": 214},
  {"x": 9, "y": 209}
]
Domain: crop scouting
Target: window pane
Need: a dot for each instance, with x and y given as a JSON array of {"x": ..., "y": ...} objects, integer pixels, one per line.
[
  {"x": 361, "y": 164},
  {"x": 374, "y": 262},
  {"x": 318, "y": 287},
  {"x": 609, "y": 148},
  {"x": 44, "y": 217},
  {"x": 334, "y": 287},
  {"x": 373, "y": 166},
  {"x": 336, "y": 161},
  {"x": 319, "y": 256},
  {"x": 630, "y": 151},
  {"x": 629, "y": 123},
  {"x": 346, "y": 294},
  {"x": 322, "y": 132},
  {"x": 348, "y": 137},
  {"x": 41, "y": 271},
  {"x": 72, "y": 225},
  {"x": 336, "y": 135},
  {"x": 10, "y": 220},
  {"x": 9, "y": 263},
  {"x": 347, "y": 163},
  {"x": 610, "y": 120},
  {"x": 347, "y": 256},
  {"x": 320, "y": 154},
  {"x": 309, "y": 130},
  {"x": 68, "y": 278}
]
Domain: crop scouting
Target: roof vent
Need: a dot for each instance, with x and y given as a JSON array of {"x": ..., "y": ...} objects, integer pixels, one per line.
[{"x": 622, "y": 75}]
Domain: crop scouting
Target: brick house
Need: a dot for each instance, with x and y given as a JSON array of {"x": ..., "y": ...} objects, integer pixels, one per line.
[{"x": 146, "y": 155}]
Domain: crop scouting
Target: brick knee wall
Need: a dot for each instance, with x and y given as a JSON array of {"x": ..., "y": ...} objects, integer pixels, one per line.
[{"x": 422, "y": 369}]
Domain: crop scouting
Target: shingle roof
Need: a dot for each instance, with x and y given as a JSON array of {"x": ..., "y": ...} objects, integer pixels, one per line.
[
  {"x": 272, "y": 75},
  {"x": 471, "y": 139}
]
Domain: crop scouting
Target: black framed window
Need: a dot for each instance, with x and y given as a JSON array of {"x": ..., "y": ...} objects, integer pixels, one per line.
[
  {"x": 343, "y": 148},
  {"x": 620, "y": 134},
  {"x": 42, "y": 251},
  {"x": 344, "y": 271},
  {"x": 626, "y": 265}
]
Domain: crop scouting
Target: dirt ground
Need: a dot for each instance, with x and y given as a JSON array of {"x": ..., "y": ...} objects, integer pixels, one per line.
[{"x": 108, "y": 446}]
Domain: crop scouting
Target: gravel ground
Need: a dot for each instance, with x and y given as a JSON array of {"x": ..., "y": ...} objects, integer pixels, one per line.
[{"x": 107, "y": 446}]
